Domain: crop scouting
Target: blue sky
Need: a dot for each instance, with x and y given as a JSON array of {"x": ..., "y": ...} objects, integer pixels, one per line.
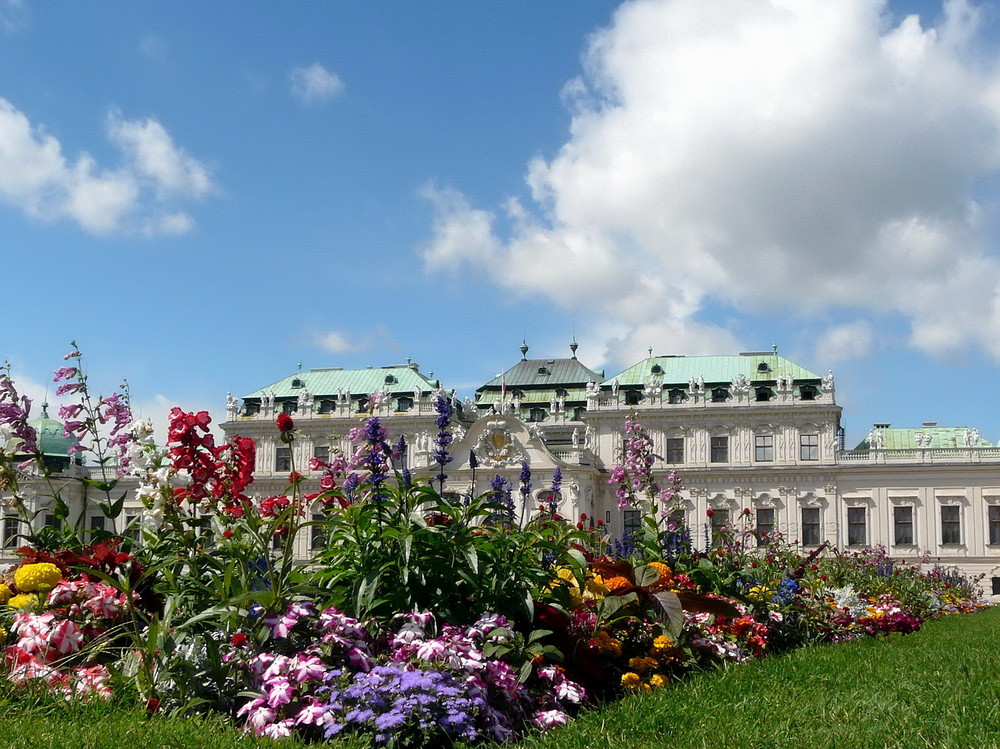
[{"x": 203, "y": 195}]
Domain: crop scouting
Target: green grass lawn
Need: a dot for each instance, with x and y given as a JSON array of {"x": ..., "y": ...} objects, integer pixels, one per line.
[{"x": 937, "y": 688}]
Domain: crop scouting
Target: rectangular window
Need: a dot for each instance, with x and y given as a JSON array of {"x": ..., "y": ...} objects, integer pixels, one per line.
[
  {"x": 951, "y": 524},
  {"x": 97, "y": 522},
  {"x": 322, "y": 452},
  {"x": 994, "y": 523},
  {"x": 902, "y": 523},
  {"x": 763, "y": 448},
  {"x": 9, "y": 533},
  {"x": 720, "y": 519},
  {"x": 765, "y": 524},
  {"x": 51, "y": 521},
  {"x": 283, "y": 459},
  {"x": 675, "y": 449},
  {"x": 857, "y": 526},
  {"x": 132, "y": 529},
  {"x": 810, "y": 526},
  {"x": 809, "y": 447},
  {"x": 720, "y": 449},
  {"x": 995, "y": 582},
  {"x": 317, "y": 539},
  {"x": 632, "y": 520}
]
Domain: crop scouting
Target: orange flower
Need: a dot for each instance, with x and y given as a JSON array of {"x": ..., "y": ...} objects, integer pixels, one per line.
[
  {"x": 618, "y": 583},
  {"x": 666, "y": 575},
  {"x": 631, "y": 680}
]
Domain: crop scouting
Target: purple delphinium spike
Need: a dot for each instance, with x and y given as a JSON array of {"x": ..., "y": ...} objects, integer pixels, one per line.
[{"x": 444, "y": 410}]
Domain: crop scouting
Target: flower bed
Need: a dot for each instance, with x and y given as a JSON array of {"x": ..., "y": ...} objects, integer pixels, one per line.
[{"x": 426, "y": 618}]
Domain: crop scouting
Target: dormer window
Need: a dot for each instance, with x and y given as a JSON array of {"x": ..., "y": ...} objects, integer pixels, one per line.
[
  {"x": 763, "y": 367},
  {"x": 297, "y": 383},
  {"x": 720, "y": 395},
  {"x": 657, "y": 369},
  {"x": 390, "y": 380},
  {"x": 764, "y": 394},
  {"x": 675, "y": 396},
  {"x": 632, "y": 397},
  {"x": 807, "y": 392},
  {"x": 561, "y": 392},
  {"x": 543, "y": 370}
]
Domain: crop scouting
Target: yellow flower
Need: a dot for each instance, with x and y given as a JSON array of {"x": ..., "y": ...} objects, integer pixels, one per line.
[
  {"x": 23, "y": 601},
  {"x": 4, "y": 594},
  {"x": 606, "y": 643},
  {"x": 595, "y": 588},
  {"x": 42, "y": 577},
  {"x": 658, "y": 681},
  {"x": 566, "y": 578},
  {"x": 631, "y": 680},
  {"x": 661, "y": 645},
  {"x": 639, "y": 665},
  {"x": 760, "y": 593}
]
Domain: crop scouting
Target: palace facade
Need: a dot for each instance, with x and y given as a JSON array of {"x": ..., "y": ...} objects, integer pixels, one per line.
[{"x": 754, "y": 437}]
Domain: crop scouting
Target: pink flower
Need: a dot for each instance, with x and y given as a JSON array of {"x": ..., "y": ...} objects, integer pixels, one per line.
[
  {"x": 545, "y": 719},
  {"x": 66, "y": 637}
]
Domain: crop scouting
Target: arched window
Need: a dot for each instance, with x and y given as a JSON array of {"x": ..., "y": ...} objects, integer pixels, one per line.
[
  {"x": 676, "y": 396},
  {"x": 720, "y": 395},
  {"x": 764, "y": 394},
  {"x": 404, "y": 404},
  {"x": 537, "y": 414}
]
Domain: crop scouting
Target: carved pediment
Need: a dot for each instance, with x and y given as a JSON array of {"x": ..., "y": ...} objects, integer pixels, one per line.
[{"x": 497, "y": 448}]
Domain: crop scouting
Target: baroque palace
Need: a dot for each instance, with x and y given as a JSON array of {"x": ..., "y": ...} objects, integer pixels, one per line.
[{"x": 754, "y": 437}]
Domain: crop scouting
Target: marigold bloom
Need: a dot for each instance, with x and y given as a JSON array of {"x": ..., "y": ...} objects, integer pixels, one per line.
[
  {"x": 4, "y": 594},
  {"x": 666, "y": 574},
  {"x": 606, "y": 643},
  {"x": 631, "y": 680},
  {"x": 42, "y": 576},
  {"x": 658, "y": 681},
  {"x": 23, "y": 601},
  {"x": 617, "y": 583}
]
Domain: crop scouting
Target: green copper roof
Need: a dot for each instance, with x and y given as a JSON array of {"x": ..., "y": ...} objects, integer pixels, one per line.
[
  {"x": 401, "y": 379},
  {"x": 544, "y": 373},
  {"x": 916, "y": 438},
  {"x": 678, "y": 370},
  {"x": 50, "y": 436},
  {"x": 534, "y": 396}
]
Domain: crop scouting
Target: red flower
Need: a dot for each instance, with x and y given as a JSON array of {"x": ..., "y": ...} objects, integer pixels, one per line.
[
  {"x": 239, "y": 640},
  {"x": 284, "y": 422},
  {"x": 227, "y": 533},
  {"x": 746, "y": 510},
  {"x": 710, "y": 512}
]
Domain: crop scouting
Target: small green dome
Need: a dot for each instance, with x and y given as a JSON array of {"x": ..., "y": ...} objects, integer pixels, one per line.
[{"x": 50, "y": 435}]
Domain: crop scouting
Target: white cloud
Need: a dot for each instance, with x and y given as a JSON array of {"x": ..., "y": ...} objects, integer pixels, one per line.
[
  {"x": 340, "y": 342},
  {"x": 841, "y": 343},
  {"x": 315, "y": 84},
  {"x": 136, "y": 197},
  {"x": 13, "y": 15},
  {"x": 793, "y": 156}
]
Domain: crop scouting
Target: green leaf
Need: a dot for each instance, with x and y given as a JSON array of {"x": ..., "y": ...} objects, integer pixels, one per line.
[
  {"x": 646, "y": 576},
  {"x": 669, "y": 612}
]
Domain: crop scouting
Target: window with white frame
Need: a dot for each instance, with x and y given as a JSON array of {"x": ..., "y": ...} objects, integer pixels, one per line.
[
  {"x": 9, "y": 532},
  {"x": 993, "y": 521},
  {"x": 951, "y": 525},
  {"x": 902, "y": 525},
  {"x": 720, "y": 519},
  {"x": 809, "y": 447},
  {"x": 810, "y": 526},
  {"x": 719, "y": 450},
  {"x": 765, "y": 524},
  {"x": 763, "y": 448},
  {"x": 857, "y": 526},
  {"x": 675, "y": 450},
  {"x": 282, "y": 459}
]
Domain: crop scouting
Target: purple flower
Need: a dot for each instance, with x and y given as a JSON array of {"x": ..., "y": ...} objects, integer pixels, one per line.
[
  {"x": 556, "y": 480},
  {"x": 444, "y": 410}
]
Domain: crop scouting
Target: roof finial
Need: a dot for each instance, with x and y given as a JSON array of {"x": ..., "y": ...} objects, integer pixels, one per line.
[
  {"x": 650, "y": 352},
  {"x": 524, "y": 349},
  {"x": 45, "y": 409},
  {"x": 573, "y": 347},
  {"x": 774, "y": 347},
  {"x": 300, "y": 366}
]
